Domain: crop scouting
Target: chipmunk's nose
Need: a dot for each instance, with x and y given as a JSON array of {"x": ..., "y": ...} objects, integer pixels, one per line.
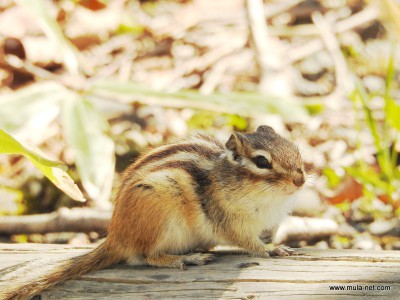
[{"x": 298, "y": 180}]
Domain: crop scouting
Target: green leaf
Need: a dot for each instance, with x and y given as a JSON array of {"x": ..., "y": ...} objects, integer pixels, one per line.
[
  {"x": 37, "y": 103},
  {"x": 53, "y": 170},
  {"x": 344, "y": 206},
  {"x": 241, "y": 103},
  {"x": 314, "y": 108},
  {"x": 236, "y": 121},
  {"x": 393, "y": 113},
  {"x": 202, "y": 120},
  {"x": 333, "y": 178},
  {"x": 366, "y": 175},
  {"x": 392, "y": 109},
  {"x": 362, "y": 95},
  {"x": 85, "y": 130},
  {"x": 40, "y": 10},
  {"x": 391, "y": 72}
]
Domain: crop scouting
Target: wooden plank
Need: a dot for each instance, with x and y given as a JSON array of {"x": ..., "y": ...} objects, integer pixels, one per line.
[{"x": 311, "y": 275}]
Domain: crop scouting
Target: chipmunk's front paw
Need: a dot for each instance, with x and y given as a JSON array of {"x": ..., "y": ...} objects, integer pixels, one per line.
[
  {"x": 262, "y": 254},
  {"x": 282, "y": 251}
]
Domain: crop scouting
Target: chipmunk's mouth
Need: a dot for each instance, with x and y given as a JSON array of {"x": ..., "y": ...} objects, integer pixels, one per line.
[
  {"x": 291, "y": 188},
  {"x": 291, "y": 192}
]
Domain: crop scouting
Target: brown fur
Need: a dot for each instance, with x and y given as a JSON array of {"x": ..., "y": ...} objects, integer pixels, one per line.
[{"x": 185, "y": 196}]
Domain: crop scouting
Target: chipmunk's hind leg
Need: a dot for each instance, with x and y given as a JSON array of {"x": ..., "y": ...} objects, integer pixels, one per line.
[{"x": 179, "y": 261}]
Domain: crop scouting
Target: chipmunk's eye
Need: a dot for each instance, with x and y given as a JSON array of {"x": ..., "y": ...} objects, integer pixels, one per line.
[{"x": 262, "y": 162}]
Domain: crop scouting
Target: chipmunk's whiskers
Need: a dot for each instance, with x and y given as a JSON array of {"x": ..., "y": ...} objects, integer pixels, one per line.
[{"x": 311, "y": 180}]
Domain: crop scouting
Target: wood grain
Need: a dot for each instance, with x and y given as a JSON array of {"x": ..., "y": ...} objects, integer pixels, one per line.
[{"x": 306, "y": 276}]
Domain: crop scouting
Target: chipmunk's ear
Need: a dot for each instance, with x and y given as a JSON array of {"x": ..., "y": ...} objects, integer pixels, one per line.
[
  {"x": 265, "y": 129},
  {"x": 235, "y": 142}
]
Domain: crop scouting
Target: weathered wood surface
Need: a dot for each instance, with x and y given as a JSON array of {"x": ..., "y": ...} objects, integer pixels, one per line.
[{"x": 233, "y": 276}]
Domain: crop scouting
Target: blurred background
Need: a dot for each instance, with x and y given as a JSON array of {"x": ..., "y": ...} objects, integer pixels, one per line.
[{"x": 88, "y": 85}]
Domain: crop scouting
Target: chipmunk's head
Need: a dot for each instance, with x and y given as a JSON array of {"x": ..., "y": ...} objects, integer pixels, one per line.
[{"x": 270, "y": 160}]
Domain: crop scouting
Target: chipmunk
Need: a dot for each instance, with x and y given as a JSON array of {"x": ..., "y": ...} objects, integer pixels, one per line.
[{"x": 194, "y": 194}]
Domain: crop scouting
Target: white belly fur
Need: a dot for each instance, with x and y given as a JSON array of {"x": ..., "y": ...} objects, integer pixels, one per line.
[
  {"x": 258, "y": 214},
  {"x": 264, "y": 212}
]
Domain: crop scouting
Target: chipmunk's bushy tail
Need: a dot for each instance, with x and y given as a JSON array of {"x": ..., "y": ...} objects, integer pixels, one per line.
[{"x": 23, "y": 284}]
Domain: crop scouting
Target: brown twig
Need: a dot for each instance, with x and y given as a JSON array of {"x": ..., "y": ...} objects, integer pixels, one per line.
[
  {"x": 298, "y": 228},
  {"x": 268, "y": 52},
  {"x": 217, "y": 71},
  {"x": 276, "y": 8},
  {"x": 13, "y": 63},
  {"x": 63, "y": 220},
  {"x": 343, "y": 84},
  {"x": 266, "y": 59},
  {"x": 367, "y": 15}
]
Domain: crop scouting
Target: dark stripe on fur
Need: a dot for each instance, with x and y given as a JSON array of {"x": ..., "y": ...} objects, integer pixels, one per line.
[
  {"x": 143, "y": 186},
  {"x": 211, "y": 140},
  {"x": 201, "y": 150},
  {"x": 202, "y": 182},
  {"x": 199, "y": 175},
  {"x": 200, "y": 178}
]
